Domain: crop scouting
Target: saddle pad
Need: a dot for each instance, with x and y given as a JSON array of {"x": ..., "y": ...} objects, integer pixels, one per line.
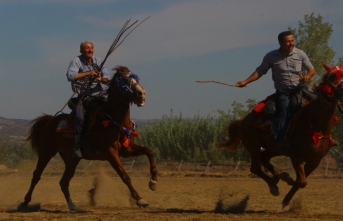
[
  {"x": 64, "y": 126},
  {"x": 68, "y": 127},
  {"x": 258, "y": 109}
]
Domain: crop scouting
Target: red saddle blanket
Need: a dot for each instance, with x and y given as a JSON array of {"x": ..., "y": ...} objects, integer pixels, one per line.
[
  {"x": 258, "y": 110},
  {"x": 65, "y": 125}
]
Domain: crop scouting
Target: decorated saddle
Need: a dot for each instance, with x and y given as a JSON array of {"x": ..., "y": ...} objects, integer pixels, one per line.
[
  {"x": 66, "y": 126},
  {"x": 266, "y": 110}
]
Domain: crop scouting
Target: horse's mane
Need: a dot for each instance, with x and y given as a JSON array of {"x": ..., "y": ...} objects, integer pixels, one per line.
[
  {"x": 120, "y": 70},
  {"x": 329, "y": 78}
]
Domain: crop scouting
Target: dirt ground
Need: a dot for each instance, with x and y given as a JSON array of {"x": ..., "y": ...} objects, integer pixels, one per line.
[{"x": 179, "y": 196}]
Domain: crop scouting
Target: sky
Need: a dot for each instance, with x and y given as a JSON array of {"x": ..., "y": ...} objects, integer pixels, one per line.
[{"x": 182, "y": 41}]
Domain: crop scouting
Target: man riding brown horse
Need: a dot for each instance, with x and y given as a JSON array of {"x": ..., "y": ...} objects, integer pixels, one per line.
[
  {"x": 309, "y": 136},
  {"x": 286, "y": 63}
]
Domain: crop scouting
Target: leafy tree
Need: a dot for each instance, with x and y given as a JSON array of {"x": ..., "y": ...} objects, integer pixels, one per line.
[
  {"x": 312, "y": 37},
  {"x": 340, "y": 61}
]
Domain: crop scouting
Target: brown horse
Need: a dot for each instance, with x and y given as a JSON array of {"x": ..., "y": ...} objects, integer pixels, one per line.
[
  {"x": 105, "y": 143},
  {"x": 309, "y": 137}
]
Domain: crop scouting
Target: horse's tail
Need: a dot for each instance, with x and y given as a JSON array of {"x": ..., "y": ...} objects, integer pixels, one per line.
[
  {"x": 35, "y": 131},
  {"x": 232, "y": 136}
]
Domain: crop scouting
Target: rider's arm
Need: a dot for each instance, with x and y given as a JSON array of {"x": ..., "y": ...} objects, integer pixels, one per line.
[
  {"x": 104, "y": 75},
  {"x": 253, "y": 77},
  {"x": 260, "y": 70},
  {"x": 307, "y": 65},
  {"x": 102, "y": 79},
  {"x": 308, "y": 76},
  {"x": 73, "y": 71},
  {"x": 85, "y": 74}
]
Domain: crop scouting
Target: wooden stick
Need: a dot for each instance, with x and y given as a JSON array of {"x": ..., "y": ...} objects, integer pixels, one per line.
[{"x": 218, "y": 82}]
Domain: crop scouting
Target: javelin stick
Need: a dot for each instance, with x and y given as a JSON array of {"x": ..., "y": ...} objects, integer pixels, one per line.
[
  {"x": 110, "y": 51},
  {"x": 217, "y": 82}
]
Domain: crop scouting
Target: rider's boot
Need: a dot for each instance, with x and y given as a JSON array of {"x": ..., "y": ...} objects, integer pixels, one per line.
[{"x": 77, "y": 147}]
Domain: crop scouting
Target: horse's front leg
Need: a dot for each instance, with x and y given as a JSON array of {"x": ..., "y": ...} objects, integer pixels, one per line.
[
  {"x": 117, "y": 165},
  {"x": 302, "y": 171},
  {"x": 137, "y": 150}
]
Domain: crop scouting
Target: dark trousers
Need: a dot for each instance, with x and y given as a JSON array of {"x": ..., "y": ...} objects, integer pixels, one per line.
[
  {"x": 282, "y": 99},
  {"x": 79, "y": 119}
]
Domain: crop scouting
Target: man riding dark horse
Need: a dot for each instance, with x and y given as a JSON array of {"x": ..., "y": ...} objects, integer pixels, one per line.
[
  {"x": 286, "y": 63},
  {"x": 80, "y": 72}
]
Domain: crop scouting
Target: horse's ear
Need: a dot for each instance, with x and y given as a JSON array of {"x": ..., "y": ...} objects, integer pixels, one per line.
[{"x": 327, "y": 68}]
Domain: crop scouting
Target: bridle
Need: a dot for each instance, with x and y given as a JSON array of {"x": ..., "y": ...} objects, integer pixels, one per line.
[
  {"x": 128, "y": 91},
  {"x": 337, "y": 92}
]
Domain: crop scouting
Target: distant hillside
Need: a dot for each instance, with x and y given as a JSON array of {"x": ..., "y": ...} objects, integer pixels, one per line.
[{"x": 13, "y": 130}]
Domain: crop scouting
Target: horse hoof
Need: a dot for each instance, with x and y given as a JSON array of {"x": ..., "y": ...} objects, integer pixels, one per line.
[
  {"x": 24, "y": 207},
  {"x": 153, "y": 185},
  {"x": 284, "y": 176},
  {"x": 142, "y": 203},
  {"x": 274, "y": 191},
  {"x": 71, "y": 205},
  {"x": 285, "y": 203}
]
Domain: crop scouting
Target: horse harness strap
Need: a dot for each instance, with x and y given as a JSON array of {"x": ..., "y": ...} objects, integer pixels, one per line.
[
  {"x": 128, "y": 133},
  {"x": 316, "y": 136},
  {"x": 127, "y": 90}
]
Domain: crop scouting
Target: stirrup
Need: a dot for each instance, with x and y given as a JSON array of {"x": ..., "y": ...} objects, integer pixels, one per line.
[
  {"x": 77, "y": 152},
  {"x": 77, "y": 148}
]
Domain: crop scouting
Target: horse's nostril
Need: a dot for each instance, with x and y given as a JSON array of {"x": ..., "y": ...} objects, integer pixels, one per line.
[{"x": 140, "y": 93}]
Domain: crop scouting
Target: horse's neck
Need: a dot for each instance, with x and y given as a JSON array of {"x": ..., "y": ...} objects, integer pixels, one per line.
[
  {"x": 118, "y": 109},
  {"x": 323, "y": 113}
]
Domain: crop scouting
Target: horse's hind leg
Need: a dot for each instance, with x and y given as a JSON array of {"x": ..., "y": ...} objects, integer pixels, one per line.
[
  {"x": 43, "y": 160},
  {"x": 266, "y": 155},
  {"x": 255, "y": 168},
  {"x": 70, "y": 166},
  {"x": 137, "y": 150},
  {"x": 117, "y": 165}
]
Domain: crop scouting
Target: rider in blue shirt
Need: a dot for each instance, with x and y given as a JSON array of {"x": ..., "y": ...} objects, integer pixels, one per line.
[
  {"x": 286, "y": 64},
  {"x": 80, "y": 71}
]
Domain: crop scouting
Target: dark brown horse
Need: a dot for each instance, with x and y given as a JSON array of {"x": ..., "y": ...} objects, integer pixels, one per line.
[
  {"x": 309, "y": 138},
  {"x": 105, "y": 143}
]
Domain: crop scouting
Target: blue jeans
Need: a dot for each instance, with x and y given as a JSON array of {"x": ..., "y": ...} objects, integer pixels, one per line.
[
  {"x": 79, "y": 118},
  {"x": 282, "y": 99}
]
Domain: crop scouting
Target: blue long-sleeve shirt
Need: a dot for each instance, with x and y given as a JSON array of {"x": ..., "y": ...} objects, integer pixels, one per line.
[
  {"x": 285, "y": 68},
  {"x": 78, "y": 65}
]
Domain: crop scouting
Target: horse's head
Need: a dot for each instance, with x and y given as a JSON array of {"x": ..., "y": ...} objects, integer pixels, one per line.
[
  {"x": 332, "y": 82},
  {"x": 127, "y": 84}
]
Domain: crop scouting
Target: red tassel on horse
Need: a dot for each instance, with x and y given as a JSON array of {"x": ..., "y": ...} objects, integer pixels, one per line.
[
  {"x": 126, "y": 143},
  {"x": 106, "y": 122}
]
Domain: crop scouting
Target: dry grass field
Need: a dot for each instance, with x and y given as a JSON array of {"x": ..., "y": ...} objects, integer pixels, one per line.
[{"x": 181, "y": 195}]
